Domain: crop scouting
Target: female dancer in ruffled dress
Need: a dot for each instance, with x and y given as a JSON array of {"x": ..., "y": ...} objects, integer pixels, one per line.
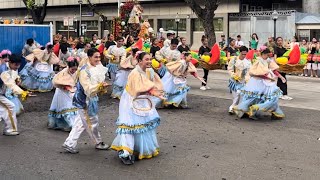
[
  {"x": 238, "y": 69},
  {"x": 62, "y": 112},
  {"x": 175, "y": 83},
  {"x": 122, "y": 75},
  {"x": 261, "y": 93},
  {"x": 37, "y": 75},
  {"x": 138, "y": 119}
]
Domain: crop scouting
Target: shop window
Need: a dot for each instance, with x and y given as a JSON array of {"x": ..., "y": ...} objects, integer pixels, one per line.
[
  {"x": 170, "y": 24},
  {"x": 197, "y": 25}
]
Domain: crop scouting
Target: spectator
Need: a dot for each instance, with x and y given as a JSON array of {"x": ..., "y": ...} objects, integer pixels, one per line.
[
  {"x": 155, "y": 47},
  {"x": 294, "y": 42},
  {"x": 232, "y": 50},
  {"x": 183, "y": 47},
  {"x": 81, "y": 44},
  {"x": 204, "y": 50},
  {"x": 64, "y": 43},
  {"x": 129, "y": 41},
  {"x": 270, "y": 44},
  {"x": 254, "y": 41},
  {"x": 304, "y": 44},
  {"x": 239, "y": 43},
  {"x": 223, "y": 43},
  {"x": 312, "y": 65},
  {"x": 110, "y": 41},
  {"x": 279, "y": 50},
  {"x": 94, "y": 42}
]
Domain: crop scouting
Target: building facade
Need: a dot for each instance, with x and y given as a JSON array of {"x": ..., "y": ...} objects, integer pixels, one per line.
[{"x": 232, "y": 18}]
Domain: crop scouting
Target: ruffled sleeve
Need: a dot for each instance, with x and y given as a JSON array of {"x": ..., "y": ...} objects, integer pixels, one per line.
[
  {"x": 10, "y": 83},
  {"x": 175, "y": 68},
  {"x": 191, "y": 68},
  {"x": 62, "y": 79},
  {"x": 273, "y": 65},
  {"x": 126, "y": 63},
  {"x": 89, "y": 89},
  {"x": 139, "y": 83}
]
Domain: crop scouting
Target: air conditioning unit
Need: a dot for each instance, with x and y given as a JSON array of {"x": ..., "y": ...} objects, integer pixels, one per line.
[{"x": 245, "y": 7}]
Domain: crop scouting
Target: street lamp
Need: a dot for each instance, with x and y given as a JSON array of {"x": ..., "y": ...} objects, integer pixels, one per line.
[
  {"x": 80, "y": 19},
  {"x": 177, "y": 22},
  {"x": 275, "y": 16}
]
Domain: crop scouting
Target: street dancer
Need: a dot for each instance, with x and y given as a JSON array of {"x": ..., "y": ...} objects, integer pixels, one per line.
[
  {"x": 86, "y": 100},
  {"x": 122, "y": 75},
  {"x": 175, "y": 82},
  {"x": 115, "y": 54},
  {"x": 37, "y": 75},
  {"x": 62, "y": 112},
  {"x": 8, "y": 80},
  {"x": 138, "y": 119},
  {"x": 261, "y": 93},
  {"x": 238, "y": 68},
  {"x": 167, "y": 54}
]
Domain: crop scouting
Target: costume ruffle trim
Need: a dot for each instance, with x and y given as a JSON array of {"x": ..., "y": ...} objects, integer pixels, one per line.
[
  {"x": 178, "y": 91},
  {"x": 140, "y": 156},
  {"x": 254, "y": 108},
  {"x": 234, "y": 85},
  {"x": 162, "y": 71},
  {"x": 248, "y": 95},
  {"x": 32, "y": 72},
  {"x": 139, "y": 128},
  {"x": 113, "y": 68},
  {"x": 117, "y": 91},
  {"x": 63, "y": 113}
]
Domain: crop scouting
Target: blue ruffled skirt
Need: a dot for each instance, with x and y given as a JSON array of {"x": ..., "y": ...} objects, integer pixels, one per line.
[
  {"x": 235, "y": 85},
  {"x": 62, "y": 113},
  {"x": 136, "y": 132},
  {"x": 162, "y": 71},
  {"x": 259, "y": 95},
  {"x": 120, "y": 83},
  {"x": 175, "y": 93},
  {"x": 37, "y": 78}
]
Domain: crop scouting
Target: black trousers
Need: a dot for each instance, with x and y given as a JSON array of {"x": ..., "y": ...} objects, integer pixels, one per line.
[
  {"x": 205, "y": 76},
  {"x": 283, "y": 86}
]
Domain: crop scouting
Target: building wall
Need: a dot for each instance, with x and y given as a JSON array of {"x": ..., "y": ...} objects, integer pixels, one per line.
[
  {"x": 311, "y": 6},
  {"x": 153, "y": 12}
]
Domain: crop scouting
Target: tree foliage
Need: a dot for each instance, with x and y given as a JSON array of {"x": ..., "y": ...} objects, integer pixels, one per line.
[
  {"x": 37, "y": 11},
  {"x": 205, "y": 12}
]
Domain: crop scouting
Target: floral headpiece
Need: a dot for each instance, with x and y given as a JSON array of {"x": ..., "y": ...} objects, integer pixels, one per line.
[
  {"x": 262, "y": 48},
  {"x": 72, "y": 59},
  {"x": 138, "y": 53},
  {"x": 5, "y": 52}
]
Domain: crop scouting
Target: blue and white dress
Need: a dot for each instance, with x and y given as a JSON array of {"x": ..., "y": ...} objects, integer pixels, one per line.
[
  {"x": 261, "y": 93},
  {"x": 37, "y": 75},
  {"x": 122, "y": 76},
  {"x": 239, "y": 72},
  {"x": 168, "y": 55},
  {"x": 138, "y": 119},
  {"x": 62, "y": 112},
  {"x": 175, "y": 83},
  {"x": 115, "y": 55}
]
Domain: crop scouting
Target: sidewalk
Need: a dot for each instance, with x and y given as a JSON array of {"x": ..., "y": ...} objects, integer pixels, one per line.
[{"x": 304, "y": 90}]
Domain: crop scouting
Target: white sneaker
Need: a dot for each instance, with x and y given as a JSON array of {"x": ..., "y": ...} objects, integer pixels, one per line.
[
  {"x": 208, "y": 88},
  {"x": 285, "y": 97},
  {"x": 203, "y": 88}
]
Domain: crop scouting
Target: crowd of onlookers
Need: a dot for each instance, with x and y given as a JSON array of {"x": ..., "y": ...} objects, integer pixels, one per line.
[{"x": 312, "y": 68}]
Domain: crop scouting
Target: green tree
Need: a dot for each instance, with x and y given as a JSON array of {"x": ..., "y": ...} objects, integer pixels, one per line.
[
  {"x": 37, "y": 11},
  {"x": 205, "y": 12}
]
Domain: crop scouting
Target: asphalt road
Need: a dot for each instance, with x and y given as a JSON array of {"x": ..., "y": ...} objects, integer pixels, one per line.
[{"x": 203, "y": 142}]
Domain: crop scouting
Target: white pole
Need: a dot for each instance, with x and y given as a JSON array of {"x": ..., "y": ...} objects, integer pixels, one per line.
[
  {"x": 118, "y": 8},
  {"x": 51, "y": 33},
  {"x": 80, "y": 23}
]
